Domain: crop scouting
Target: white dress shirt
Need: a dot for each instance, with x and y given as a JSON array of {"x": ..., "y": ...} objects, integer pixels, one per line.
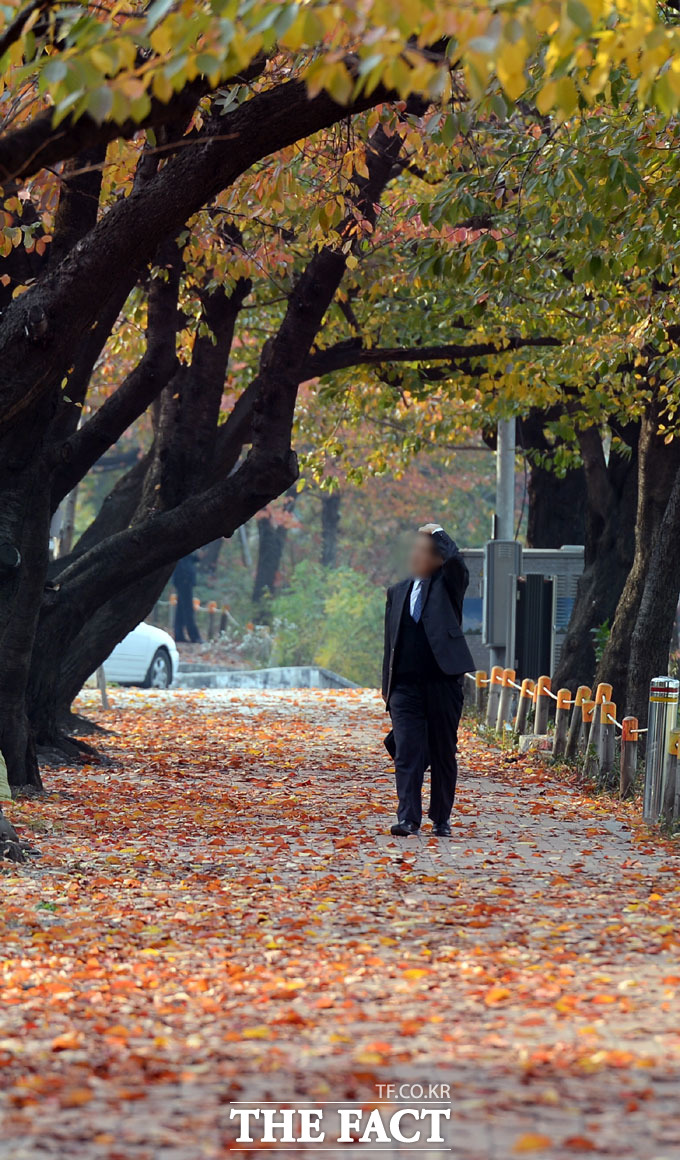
[
  {"x": 415, "y": 589},
  {"x": 417, "y": 584}
]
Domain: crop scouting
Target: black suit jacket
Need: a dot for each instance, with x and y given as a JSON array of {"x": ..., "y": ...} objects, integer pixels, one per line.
[{"x": 442, "y": 615}]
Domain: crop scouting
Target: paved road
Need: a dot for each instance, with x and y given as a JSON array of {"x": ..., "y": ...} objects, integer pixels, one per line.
[{"x": 530, "y": 963}]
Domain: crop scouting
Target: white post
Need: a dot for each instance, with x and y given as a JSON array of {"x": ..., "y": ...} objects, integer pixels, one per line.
[
  {"x": 505, "y": 480},
  {"x": 504, "y": 523}
]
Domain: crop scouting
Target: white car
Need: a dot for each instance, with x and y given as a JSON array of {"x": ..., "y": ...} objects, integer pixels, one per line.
[{"x": 147, "y": 656}]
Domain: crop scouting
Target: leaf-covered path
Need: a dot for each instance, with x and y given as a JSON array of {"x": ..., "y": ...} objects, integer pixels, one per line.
[{"x": 222, "y": 915}]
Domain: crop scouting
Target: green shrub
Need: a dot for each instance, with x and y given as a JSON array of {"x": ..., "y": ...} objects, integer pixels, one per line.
[{"x": 331, "y": 617}]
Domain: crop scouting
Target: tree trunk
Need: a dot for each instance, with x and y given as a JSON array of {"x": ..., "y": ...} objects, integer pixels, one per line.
[
  {"x": 557, "y": 506},
  {"x": 24, "y": 536},
  {"x": 651, "y": 637},
  {"x": 658, "y": 465},
  {"x": 609, "y": 550},
  {"x": 330, "y": 527},
  {"x": 556, "y": 503},
  {"x": 68, "y": 523},
  {"x": 271, "y": 542}
]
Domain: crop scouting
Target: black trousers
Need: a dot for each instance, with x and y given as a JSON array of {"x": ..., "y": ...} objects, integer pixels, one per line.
[
  {"x": 185, "y": 620},
  {"x": 425, "y": 720}
]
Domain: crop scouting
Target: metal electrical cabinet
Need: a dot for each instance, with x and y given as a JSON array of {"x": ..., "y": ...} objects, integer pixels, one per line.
[
  {"x": 520, "y": 600},
  {"x": 502, "y": 566}
]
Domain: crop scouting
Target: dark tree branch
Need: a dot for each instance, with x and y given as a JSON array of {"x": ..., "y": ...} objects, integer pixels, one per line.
[
  {"x": 24, "y": 151},
  {"x": 353, "y": 353},
  {"x": 78, "y": 201},
  {"x": 77, "y": 454},
  {"x": 270, "y": 466},
  {"x": 70, "y": 297}
]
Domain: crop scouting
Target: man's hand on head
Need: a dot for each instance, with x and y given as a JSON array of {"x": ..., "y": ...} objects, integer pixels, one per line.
[{"x": 428, "y": 529}]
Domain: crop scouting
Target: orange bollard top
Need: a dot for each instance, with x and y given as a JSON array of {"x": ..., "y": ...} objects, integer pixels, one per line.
[
  {"x": 563, "y": 698},
  {"x": 212, "y": 606},
  {"x": 508, "y": 677},
  {"x": 497, "y": 675},
  {"x": 173, "y": 597},
  {"x": 528, "y": 687},
  {"x": 197, "y": 603},
  {"x": 607, "y": 711},
  {"x": 629, "y": 730},
  {"x": 480, "y": 678},
  {"x": 604, "y": 693},
  {"x": 543, "y": 685},
  {"x": 583, "y": 693},
  {"x": 588, "y": 710}
]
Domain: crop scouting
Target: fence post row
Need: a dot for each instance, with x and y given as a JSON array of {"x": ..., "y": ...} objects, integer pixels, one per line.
[{"x": 591, "y": 727}]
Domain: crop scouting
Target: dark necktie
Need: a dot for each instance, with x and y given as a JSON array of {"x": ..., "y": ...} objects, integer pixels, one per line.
[{"x": 418, "y": 604}]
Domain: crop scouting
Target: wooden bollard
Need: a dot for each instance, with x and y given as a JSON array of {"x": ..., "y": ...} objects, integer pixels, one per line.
[
  {"x": 587, "y": 714},
  {"x": 607, "y": 746},
  {"x": 603, "y": 693},
  {"x": 223, "y": 618},
  {"x": 671, "y": 794},
  {"x": 172, "y": 604},
  {"x": 561, "y": 722},
  {"x": 212, "y": 610},
  {"x": 526, "y": 700},
  {"x": 495, "y": 685},
  {"x": 481, "y": 685},
  {"x": 593, "y": 734},
  {"x": 505, "y": 700},
  {"x": 629, "y": 753},
  {"x": 576, "y": 723},
  {"x": 542, "y": 705}
]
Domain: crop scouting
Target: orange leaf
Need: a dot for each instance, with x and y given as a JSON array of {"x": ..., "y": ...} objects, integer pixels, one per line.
[
  {"x": 496, "y": 995},
  {"x": 531, "y": 1142}
]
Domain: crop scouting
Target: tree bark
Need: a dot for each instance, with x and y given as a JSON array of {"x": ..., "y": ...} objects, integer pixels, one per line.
[
  {"x": 658, "y": 464},
  {"x": 330, "y": 527},
  {"x": 651, "y": 638},
  {"x": 556, "y": 503},
  {"x": 608, "y": 556},
  {"x": 24, "y": 530},
  {"x": 271, "y": 540}
]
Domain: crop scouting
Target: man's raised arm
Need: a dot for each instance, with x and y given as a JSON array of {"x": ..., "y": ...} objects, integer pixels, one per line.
[{"x": 454, "y": 566}]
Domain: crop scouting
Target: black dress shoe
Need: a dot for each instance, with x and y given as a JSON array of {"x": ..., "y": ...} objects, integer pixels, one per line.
[
  {"x": 404, "y": 829},
  {"x": 441, "y": 830}
]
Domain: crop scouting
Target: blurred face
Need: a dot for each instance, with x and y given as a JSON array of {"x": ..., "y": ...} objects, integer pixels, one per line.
[{"x": 423, "y": 559}]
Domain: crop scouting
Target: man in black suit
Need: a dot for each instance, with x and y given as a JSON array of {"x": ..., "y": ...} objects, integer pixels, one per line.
[{"x": 425, "y": 658}]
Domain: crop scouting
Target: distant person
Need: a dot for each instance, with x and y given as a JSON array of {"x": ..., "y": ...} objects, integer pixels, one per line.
[
  {"x": 426, "y": 657},
  {"x": 184, "y": 580}
]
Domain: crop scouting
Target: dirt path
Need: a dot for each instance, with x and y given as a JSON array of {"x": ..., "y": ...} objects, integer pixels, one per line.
[{"x": 224, "y": 917}]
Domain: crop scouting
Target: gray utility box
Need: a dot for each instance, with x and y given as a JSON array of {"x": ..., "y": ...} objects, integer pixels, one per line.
[
  {"x": 502, "y": 566},
  {"x": 524, "y": 597}
]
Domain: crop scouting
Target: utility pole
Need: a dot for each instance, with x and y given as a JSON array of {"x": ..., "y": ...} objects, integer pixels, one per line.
[
  {"x": 504, "y": 524},
  {"x": 505, "y": 480}
]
